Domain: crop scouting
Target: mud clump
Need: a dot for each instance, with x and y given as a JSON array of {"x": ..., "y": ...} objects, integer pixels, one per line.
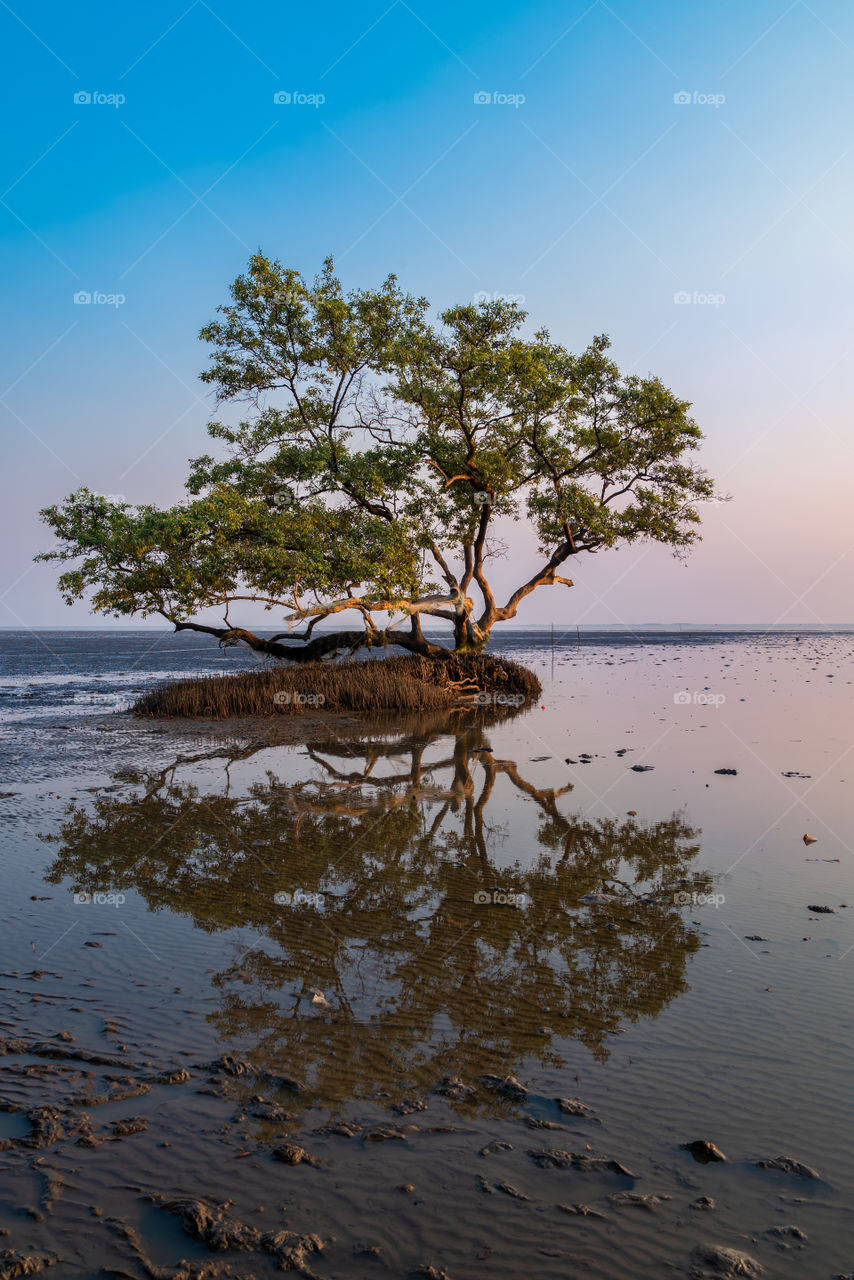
[
  {"x": 14, "y": 1264},
  {"x": 341, "y": 1129},
  {"x": 492, "y": 1148},
  {"x": 552, "y": 1158},
  {"x": 508, "y": 1086},
  {"x": 634, "y": 1200},
  {"x": 454, "y": 1087},
  {"x": 581, "y": 1210},
  {"x": 273, "y": 1113},
  {"x": 510, "y": 1190},
  {"x": 787, "y": 1165},
  {"x": 212, "y": 1225},
  {"x": 716, "y": 1260},
  {"x": 49, "y": 1125},
  {"x": 133, "y": 1124},
  {"x": 291, "y": 1153},
  {"x": 178, "y": 1076},
  {"x": 389, "y": 1133},
  {"x": 573, "y": 1107}
]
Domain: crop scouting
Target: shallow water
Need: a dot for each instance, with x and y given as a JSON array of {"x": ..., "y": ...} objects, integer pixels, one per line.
[{"x": 443, "y": 911}]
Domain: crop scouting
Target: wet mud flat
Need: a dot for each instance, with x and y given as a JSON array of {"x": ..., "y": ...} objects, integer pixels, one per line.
[
  {"x": 428, "y": 999},
  {"x": 218, "y": 1169}
]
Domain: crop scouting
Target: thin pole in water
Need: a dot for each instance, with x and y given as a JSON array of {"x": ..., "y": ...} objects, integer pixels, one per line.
[{"x": 553, "y": 652}]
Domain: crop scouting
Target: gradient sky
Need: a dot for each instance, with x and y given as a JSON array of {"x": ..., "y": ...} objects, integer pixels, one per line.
[{"x": 600, "y": 198}]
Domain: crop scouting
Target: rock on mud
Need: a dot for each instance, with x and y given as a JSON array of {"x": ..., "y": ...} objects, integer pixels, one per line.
[{"x": 705, "y": 1152}]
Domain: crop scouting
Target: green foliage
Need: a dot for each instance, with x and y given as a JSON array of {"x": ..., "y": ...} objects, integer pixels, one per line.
[{"x": 378, "y": 452}]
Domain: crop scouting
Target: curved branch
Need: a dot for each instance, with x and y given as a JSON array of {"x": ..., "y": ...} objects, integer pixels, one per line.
[{"x": 317, "y": 648}]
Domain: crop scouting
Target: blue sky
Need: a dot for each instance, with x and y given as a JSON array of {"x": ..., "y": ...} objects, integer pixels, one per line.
[{"x": 584, "y": 184}]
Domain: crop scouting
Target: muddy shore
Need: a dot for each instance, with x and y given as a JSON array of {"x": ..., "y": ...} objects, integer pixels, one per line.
[{"x": 429, "y": 999}]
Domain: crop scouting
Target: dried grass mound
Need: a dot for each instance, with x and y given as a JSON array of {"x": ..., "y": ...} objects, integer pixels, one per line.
[{"x": 410, "y": 683}]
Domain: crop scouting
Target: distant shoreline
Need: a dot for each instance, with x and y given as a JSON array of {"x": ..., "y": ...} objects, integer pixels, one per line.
[{"x": 564, "y": 628}]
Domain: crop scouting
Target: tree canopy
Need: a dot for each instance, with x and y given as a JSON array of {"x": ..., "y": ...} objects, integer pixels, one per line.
[{"x": 377, "y": 453}]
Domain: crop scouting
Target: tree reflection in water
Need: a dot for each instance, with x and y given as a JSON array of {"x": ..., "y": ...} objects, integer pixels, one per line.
[{"x": 392, "y": 831}]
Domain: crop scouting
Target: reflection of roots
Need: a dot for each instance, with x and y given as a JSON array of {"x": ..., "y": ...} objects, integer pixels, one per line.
[{"x": 464, "y": 689}]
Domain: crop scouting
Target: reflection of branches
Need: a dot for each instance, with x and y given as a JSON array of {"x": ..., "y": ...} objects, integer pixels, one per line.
[{"x": 421, "y": 976}]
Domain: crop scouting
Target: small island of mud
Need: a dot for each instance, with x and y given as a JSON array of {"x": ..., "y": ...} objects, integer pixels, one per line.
[{"x": 411, "y": 683}]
